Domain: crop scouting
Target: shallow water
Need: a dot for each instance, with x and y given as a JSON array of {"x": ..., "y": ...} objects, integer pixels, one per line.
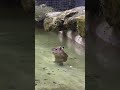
[{"x": 50, "y": 76}]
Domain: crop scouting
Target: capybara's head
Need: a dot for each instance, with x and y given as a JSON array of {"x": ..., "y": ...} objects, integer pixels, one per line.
[{"x": 58, "y": 50}]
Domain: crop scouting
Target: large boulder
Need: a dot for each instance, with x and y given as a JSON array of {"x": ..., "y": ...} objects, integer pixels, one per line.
[
  {"x": 68, "y": 17},
  {"x": 51, "y": 23},
  {"x": 81, "y": 25},
  {"x": 66, "y": 20},
  {"x": 40, "y": 12}
]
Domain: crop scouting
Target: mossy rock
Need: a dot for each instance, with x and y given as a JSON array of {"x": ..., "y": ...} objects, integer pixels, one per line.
[
  {"x": 66, "y": 20},
  {"x": 47, "y": 25},
  {"x": 81, "y": 25},
  {"x": 50, "y": 24}
]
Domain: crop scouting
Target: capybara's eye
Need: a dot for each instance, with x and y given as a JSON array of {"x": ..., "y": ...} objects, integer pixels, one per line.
[{"x": 55, "y": 49}]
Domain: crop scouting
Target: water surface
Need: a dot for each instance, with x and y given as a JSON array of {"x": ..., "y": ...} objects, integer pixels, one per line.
[{"x": 50, "y": 76}]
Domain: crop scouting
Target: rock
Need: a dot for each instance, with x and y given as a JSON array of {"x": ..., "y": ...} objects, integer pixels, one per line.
[
  {"x": 57, "y": 21},
  {"x": 40, "y": 12},
  {"x": 70, "y": 23},
  {"x": 111, "y": 12},
  {"x": 72, "y": 12},
  {"x": 51, "y": 23},
  {"x": 70, "y": 20},
  {"x": 81, "y": 25}
]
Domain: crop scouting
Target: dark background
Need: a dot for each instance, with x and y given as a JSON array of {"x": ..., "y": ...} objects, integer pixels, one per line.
[
  {"x": 17, "y": 54},
  {"x": 102, "y": 67},
  {"x": 10, "y": 3}
]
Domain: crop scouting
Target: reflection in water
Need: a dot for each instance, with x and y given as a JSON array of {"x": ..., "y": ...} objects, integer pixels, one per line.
[
  {"x": 69, "y": 34},
  {"x": 78, "y": 39},
  {"x": 60, "y": 35},
  {"x": 73, "y": 41}
]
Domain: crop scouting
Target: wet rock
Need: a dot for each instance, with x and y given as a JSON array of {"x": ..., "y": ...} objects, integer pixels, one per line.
[
  {"x": 51, "y": 23},
  {"x": 70, "y": 21},
  {"x": 57, "y": 21}
]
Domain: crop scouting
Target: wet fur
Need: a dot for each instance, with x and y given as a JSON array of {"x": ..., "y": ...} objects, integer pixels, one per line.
[{"x": 60, "y": 55}]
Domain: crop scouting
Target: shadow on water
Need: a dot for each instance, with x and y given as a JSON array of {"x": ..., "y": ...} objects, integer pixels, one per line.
[{"x": 50, "y": 76}]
